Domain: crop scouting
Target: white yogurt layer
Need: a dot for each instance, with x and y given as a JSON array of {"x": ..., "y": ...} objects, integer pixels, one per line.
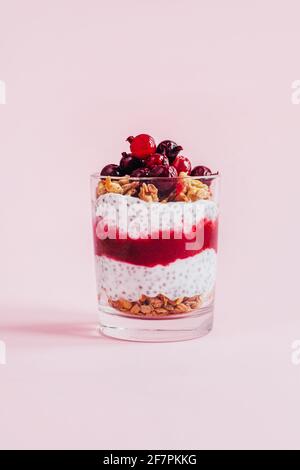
[
  {"x": 182, "y": 278},
  {"x": 138, "y": 218}
]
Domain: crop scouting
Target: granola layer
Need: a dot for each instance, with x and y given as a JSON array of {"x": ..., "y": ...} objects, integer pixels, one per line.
[
  {"x": 187, "y": 189},
  {"x": 159, "y": 306}
]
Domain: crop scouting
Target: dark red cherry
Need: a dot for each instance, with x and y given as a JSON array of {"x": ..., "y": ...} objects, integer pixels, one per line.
[
  {"x": 140, "y": 173},
  {"x": 111, "y": 170},
  {"x": 182, "y": 163},
  {"x": 202, "y": 170},
  {"x": 142, "y": 145},
  {"x": 159, "y": 171},
  {"x": 156, "y": 159},
  {"x": 169, "y": 148},
  {"x": 166, "y": 185},
  {"x": 129, "y": 163}
]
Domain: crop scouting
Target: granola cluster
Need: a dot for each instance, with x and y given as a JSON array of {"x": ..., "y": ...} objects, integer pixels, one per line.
[
  {"x": 187, "y": 189},
  {"x": 159, "y": 306}
]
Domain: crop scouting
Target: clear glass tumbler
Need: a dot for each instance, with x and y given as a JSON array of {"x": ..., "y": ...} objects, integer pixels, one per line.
[{"x": 155, "y": 242}]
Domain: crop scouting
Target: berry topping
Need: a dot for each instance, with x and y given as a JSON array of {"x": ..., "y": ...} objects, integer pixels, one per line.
[
  {"x": 140, "y": 173},
  {"x": 142, "y": 145},
  {"x": 202, "y": 171},
  {"x": 169, "y": 148},
  {"x": 182, "y": 163},
  {"x": 129, "y": 163},
  {"x": 159, "y": 171},
  {"x": 111, "y": 170},
  {"x": 157, "y": 159},
  {"x": 165, "y": 186},
  {"x": 162, "y": 171}
]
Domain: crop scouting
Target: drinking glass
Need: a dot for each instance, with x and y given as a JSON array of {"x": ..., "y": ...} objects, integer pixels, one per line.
[{"x": 155, "y": 244}]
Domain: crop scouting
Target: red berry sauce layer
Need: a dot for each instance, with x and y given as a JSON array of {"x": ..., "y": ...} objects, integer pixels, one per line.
[{"x": 161, "y": 250}]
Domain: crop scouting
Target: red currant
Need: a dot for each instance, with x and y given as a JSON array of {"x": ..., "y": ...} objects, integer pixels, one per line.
[
  {"x": 142, "y": 145},
  {"x": 182, "y": 163}
]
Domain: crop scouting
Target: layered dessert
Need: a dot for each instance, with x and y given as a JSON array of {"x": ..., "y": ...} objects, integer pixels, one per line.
[{"x": 155, "y": 223}]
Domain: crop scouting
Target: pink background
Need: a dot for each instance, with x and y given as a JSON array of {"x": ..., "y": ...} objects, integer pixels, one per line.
[{"x": 82, "y": 75}]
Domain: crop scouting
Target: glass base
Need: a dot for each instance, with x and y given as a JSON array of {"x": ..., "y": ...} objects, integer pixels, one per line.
[{"x": 181, "y": 328}]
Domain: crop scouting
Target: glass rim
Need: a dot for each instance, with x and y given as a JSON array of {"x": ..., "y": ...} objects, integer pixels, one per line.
[{"x": 213, "y": 176}]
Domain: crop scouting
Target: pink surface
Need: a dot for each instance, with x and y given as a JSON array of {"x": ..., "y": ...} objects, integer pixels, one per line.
[{"x": 80, "y": 77}]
